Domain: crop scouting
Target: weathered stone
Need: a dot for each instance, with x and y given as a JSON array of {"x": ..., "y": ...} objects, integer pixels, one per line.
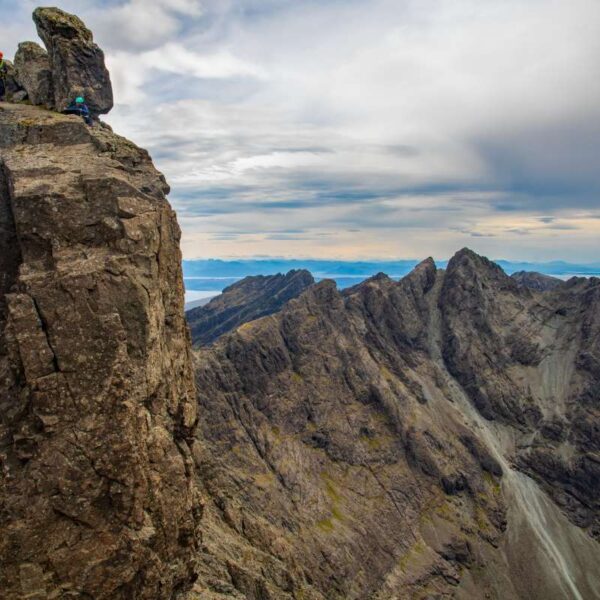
[
  {"x": 96, "y": 386},
  {"x": 12, "y": 86},
  {"x": 245, "y": 301},
  {"x": 77, "y": 63},
  {"x": 344, "y": 442},
  {"x": 34, "y": 74}
]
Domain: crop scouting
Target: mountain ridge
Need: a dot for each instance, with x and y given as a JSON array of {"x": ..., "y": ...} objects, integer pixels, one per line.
[
  {"x": 404, "y": 350},
  {"x": 249, "y": 299}
]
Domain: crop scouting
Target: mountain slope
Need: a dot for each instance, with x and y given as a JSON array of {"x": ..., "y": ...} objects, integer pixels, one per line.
[
  {"x": 366, "y": 444},
  {"x": 536, "y": 281},
  {"x": 244, "y": 301}
]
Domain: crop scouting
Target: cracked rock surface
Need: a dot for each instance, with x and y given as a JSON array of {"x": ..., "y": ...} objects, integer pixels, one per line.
[
  {"x": 435, "y": 437},
  {"x": 97, "y": 402}
]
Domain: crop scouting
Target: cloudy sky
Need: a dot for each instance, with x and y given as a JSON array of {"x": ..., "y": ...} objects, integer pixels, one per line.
[{"x": 361, "y": 128}]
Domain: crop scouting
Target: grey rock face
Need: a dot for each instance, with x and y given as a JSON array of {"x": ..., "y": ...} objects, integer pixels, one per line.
[
  {"x": 536, "y": 281},
  {"x": 77, "y": 63},
  {"x": 34, "y": 74},
  {"x": 97, "y": 399},
  {"x": 373, "y": 444},
  {"x": 249, "y": 299}
]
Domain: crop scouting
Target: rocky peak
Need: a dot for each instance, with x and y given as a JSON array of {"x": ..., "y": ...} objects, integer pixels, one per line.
[
  {"x": 96, "y": 385},
  {"x": 72, "y": 66},
  {"x": 469, "y": 265},
  {"x": 76, "y": 62},
  {"x": 423, "y": 275}
]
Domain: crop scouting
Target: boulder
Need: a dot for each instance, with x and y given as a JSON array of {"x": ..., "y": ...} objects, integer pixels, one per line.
[
  {"x": 12, "y": 86},
  {"x": 33, "y": 73},
  {"x": 77, "y": 63}
]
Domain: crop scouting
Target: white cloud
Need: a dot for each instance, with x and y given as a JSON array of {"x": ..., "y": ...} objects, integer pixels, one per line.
[{"x": 141, "y": 24}]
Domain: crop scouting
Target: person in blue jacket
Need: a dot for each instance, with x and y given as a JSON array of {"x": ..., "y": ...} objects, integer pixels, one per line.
[{"x": 79, "y": 107}]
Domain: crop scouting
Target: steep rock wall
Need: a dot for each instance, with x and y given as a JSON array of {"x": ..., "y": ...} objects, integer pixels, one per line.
[{"x": 96, "y": 389}]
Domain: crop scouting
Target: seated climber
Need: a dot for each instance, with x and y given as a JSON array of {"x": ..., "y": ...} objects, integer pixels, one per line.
[
  {"x": 3, "y": 73},
  {"x": 79, "y": 107}
]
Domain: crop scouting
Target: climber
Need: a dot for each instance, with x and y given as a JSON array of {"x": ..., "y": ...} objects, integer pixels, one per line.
[
  {"x": 3, "y": 73},
  {"x": 79, "y": 107}
]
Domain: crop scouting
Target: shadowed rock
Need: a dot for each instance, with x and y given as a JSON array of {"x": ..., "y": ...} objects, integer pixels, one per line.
[
  {"x": 536, "y": 281},
  {"x": 249, "y": 299},
  {"x": 77, "y": 63}
]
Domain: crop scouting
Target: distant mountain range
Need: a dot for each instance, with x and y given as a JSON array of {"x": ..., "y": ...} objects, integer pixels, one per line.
[
  {"x": 213, "y": 268},
  {"x": 214, "y": 275}
]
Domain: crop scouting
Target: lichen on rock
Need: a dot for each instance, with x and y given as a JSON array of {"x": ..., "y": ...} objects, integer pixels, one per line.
[{"x": 34, "y": 74}]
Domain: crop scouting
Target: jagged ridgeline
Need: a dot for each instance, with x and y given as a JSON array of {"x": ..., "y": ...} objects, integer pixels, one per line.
[
  {"x": 247, "y": 300},
  {"x": 435, "y": 437}
]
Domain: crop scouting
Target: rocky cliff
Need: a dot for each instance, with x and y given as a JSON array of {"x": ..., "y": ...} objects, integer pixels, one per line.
[
  {"x": 428, "y": 438},
  {"x": 247, "y": 300},
  {"x": 97, "y": 397},
  {"x": 97, "y": 400}
]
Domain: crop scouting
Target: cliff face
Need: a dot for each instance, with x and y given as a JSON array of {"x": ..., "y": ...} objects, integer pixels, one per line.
[
  {"x": 432, "y": 437},
  {"x": 96, "y": 386},
  {"x": 247, "y": 300}
]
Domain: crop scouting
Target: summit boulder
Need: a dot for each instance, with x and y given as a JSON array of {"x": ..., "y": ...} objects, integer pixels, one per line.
[{"x": 76, "y": 62}]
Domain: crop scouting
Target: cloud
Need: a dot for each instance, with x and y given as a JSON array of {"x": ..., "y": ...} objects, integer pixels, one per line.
[
  {"x": 142, "y": 25},
  {"x": 375, "y": 127}
]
